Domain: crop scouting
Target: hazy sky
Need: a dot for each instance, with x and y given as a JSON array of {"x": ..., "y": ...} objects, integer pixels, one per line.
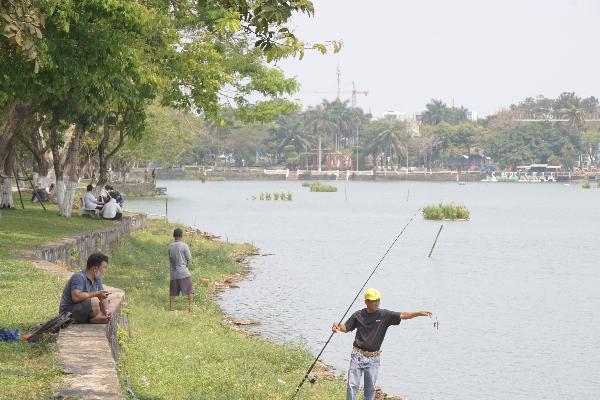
[{"x": 481, "y": 54}]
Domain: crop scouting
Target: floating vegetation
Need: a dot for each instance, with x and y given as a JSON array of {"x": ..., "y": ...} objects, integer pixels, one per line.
[
  {"x": 586, "y": 185},
  {"x": 274, "y": 196},
  {"x": 446, "y": 211},
  {"x": 319, "y": 187}
]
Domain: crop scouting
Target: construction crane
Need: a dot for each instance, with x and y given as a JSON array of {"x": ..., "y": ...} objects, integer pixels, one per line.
[{"x": 353, "y": 92}]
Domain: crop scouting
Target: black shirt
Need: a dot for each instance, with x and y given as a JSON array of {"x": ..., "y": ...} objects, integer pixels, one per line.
[{"x": 371, "y": 327}]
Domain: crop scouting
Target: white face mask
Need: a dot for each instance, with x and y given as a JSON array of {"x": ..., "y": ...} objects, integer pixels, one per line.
[{"x": 98, "y": 275}]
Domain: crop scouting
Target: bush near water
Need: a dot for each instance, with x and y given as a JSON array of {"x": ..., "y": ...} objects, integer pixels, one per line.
[
  {"x": 319, "y": 187},
  {"x": 446, "y": 211}
]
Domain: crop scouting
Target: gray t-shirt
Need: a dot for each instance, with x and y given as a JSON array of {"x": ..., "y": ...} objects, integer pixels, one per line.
[
  {"x": 79, "y": 281},
  {"x": 179, "y": 256},
  {"x": 371, "y": 327}
]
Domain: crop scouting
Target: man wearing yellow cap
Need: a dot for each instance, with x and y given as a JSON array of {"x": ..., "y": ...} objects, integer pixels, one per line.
[{"x": 371, "y": 324}]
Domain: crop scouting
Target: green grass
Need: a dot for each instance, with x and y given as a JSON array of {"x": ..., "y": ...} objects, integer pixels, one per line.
[
  {"x": 181, "y": 355},
  {"x": 24, "y": 229},
  {"x": 446, "y": 211},
  {"x": 30, "y": 297}
]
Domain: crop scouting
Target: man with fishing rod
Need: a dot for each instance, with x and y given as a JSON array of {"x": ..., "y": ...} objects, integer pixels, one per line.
[{"x": 371, "y": 324}]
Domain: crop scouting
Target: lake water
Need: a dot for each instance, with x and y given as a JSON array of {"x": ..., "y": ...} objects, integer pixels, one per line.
[{"x": 515, "y": 289}]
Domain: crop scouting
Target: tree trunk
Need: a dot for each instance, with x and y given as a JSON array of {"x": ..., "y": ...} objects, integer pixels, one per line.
[
  {"x": 71, "y": 170},
  {"x": 66, "y": 207},
  {"x": 102, "y": 159},
  {"x": 59, "y": 189},
  {"x": 6, "y": 197},
  {"x": 56, "y": 160},
  {"x": 16, "y": 114},
  {"x": 35, "y": 143}
]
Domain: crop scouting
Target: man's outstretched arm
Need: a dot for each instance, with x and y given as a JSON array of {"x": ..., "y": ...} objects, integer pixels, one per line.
[{"x": 413, "y": 314}]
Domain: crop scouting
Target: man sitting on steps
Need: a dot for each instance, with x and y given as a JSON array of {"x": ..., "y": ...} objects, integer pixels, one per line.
[{"x": 84, "y": 295}]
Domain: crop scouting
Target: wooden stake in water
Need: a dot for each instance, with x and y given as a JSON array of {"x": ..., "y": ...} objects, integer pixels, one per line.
[
  {"x": 407, "y": 194},
  {"x": 167, "y": 208},
  {"x": 435, "y": 241}
]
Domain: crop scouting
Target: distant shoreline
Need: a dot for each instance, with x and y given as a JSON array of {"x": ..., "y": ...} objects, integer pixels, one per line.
[{"x": 255, "y": 174}]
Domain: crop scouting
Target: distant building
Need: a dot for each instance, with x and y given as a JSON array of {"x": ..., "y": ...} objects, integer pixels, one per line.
[
  {"x": 471, "y": 115},
  {"x": 413, "y": 123},
  {"x": 391, "y": 114}
]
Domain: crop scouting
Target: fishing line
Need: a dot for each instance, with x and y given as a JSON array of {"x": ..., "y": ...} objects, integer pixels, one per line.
[{"x": 351, "y": 304}]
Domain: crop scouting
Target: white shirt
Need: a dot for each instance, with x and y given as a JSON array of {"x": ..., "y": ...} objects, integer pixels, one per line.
[
  {"x": 89, "y": 201},
  {"x": 110, "y": 209}
]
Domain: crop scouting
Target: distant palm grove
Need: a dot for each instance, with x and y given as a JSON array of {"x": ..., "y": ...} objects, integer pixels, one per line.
[{"x": 332, "y": 135}]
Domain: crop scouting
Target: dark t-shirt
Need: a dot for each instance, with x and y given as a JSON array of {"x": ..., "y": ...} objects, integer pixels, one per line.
[
  {"x": 81, "y": 282},
  {"x": 371, "y": 327}
]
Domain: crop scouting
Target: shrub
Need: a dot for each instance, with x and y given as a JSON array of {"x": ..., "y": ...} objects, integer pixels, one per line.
[
  {"x": 586, "y": 185},
  {"x": 320, "y": 187},
  {"x": 446, "y": 211}
]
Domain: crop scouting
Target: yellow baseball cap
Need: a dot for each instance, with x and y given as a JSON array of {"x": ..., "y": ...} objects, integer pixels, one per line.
[{"x": 372, "y": 294}]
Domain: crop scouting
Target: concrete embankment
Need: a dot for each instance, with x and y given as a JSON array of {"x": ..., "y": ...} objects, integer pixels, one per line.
[{"x": 87, "y": 353}]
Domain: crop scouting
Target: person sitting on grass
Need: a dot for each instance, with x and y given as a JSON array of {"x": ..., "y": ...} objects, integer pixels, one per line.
[
  {"x": 39, "y": 193},
  {"x": 181, "y": 278},
  {"x": 84, "y": 295},
  {"x": 112, "y": 210}
]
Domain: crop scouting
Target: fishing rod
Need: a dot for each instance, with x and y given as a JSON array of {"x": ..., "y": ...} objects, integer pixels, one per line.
[{"x": 351, "y": 304}]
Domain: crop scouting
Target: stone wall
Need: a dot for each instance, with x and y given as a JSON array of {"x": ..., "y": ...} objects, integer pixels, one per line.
[
  {"x": 74, "y": 251},
  {"x": 89, "y": 374}
]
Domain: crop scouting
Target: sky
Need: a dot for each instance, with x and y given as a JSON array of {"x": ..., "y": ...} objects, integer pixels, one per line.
[{"x": 481, "y": 54}]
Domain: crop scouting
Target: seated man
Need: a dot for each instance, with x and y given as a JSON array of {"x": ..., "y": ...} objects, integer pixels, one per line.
[
  {"x": 119, "y": 197},
  {"x": 39, "y": 193},
  {"x": 89, "y": 201},
  {"x": 112, "y": 210},
  {"x": 84, "y": 295}
]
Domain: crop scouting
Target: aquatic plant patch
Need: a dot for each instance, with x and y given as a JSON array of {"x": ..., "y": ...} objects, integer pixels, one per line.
[{"x": 446, "y": 212}]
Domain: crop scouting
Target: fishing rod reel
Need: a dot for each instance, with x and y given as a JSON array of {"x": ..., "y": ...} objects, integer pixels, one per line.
[{"x": 313, "y": 379}]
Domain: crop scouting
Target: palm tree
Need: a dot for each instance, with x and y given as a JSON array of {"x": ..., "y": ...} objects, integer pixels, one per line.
[
  {"x": 575, "y": 113},
  {"x": 436, "y": 112},
  {"x": 318, "y": 122},
  {"x": 390, "y": 140},
  {"x": 290, "y": 131},
  {"x": 356, "y": 120}
]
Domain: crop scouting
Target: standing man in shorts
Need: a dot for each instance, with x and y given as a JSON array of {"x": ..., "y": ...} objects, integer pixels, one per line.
[
  {"x": 84, "y": 295},
  {"x": 181, "y": 279}
]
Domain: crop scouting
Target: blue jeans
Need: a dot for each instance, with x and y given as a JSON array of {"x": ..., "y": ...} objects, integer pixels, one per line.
[{"x": 360, "y": 364}]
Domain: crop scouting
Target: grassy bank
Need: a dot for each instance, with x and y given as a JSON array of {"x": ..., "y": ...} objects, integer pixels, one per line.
[
  {"x": 29, "y": 297},
  {"x": 167, "y": 355},
  {"x": 181, "y": 355}
]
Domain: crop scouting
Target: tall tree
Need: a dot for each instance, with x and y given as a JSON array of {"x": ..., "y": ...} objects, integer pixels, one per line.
[
  {"x": 435, "y": 112},
  {"x": 319, "y": 123}
]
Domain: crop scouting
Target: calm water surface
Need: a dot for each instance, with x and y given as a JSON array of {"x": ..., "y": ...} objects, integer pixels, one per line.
[{"x": 515, "y": 289}]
